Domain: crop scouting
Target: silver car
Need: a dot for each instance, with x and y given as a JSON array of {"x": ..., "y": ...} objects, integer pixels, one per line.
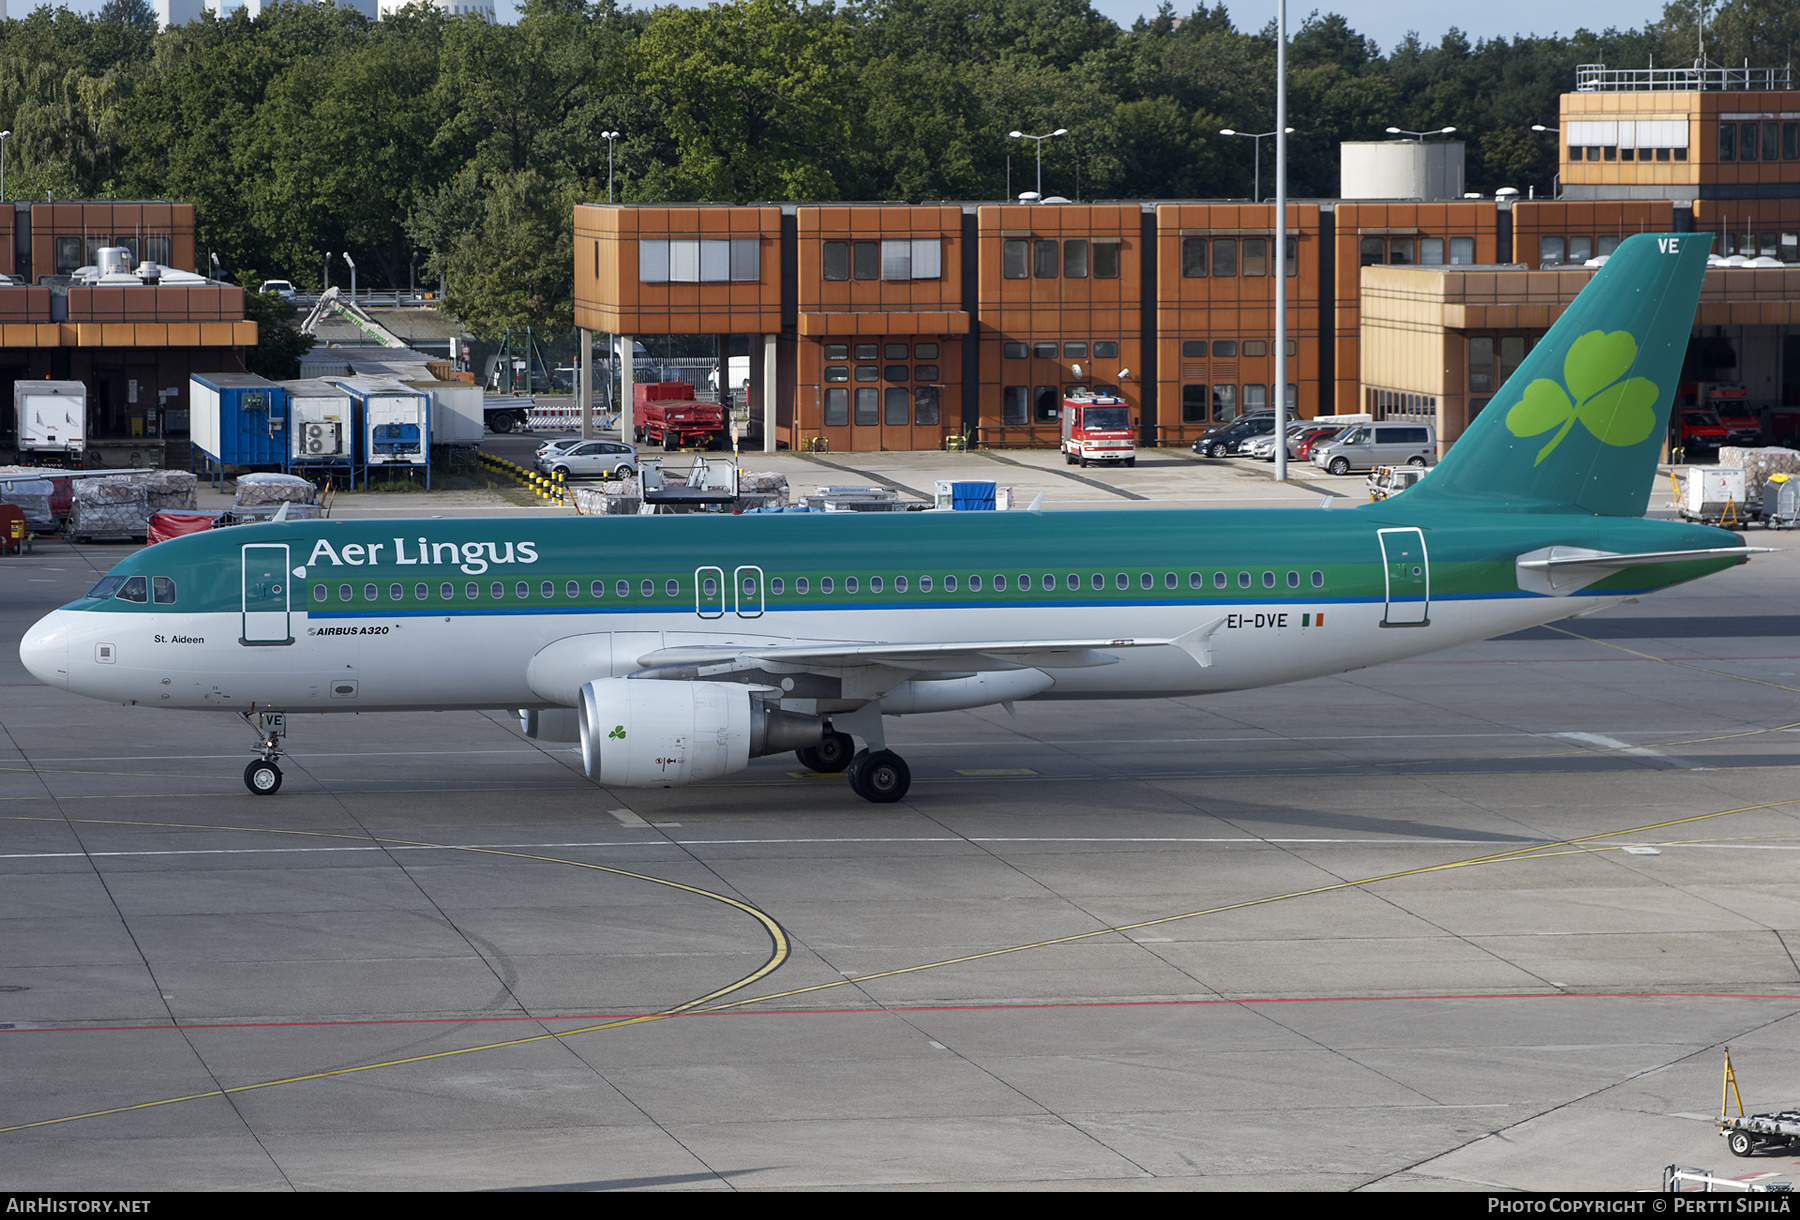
[{"x": 606, "y": 459}]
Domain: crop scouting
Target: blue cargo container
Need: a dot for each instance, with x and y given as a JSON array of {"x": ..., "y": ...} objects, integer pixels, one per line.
[{"x": 237, "y": 419}]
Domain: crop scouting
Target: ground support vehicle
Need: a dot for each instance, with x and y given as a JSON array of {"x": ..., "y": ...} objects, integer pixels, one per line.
[
  {"x": 1097, "y": 428},
  {"x": 50, "y": 419},
  {"x": 1715, "y": 495},
  {"x": 1729, "y": 401},
  {"x": 1385, "y": 481},
  {"x": 1748, "y": 1134},
  {"x": 669, "y": 414},
  {"x": 1781, "y": 502}
]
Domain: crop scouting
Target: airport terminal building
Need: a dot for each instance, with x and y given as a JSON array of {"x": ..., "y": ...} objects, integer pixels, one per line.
[{"x": 896, "y": 326}]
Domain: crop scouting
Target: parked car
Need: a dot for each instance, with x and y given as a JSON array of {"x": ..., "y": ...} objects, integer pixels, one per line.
[
  {"x": 1222, "y": 440},
  {"x": 1367, "y": 446},
  {"x": 606, "y": 459},
  {"x": 1301, "y": 446},
  {"x": 281, "y": 288}
]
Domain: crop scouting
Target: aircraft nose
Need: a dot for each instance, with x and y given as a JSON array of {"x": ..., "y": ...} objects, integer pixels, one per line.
[{"x": 45, "y": 649}]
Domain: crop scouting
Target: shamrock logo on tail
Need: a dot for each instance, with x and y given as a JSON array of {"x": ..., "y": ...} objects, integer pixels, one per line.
[{"x": 1618, "y": 412}]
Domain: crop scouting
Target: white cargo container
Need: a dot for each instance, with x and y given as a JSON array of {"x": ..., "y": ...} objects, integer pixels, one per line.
[
  {"x": 51, "y": 418},
  {"x": 396, "y": 422},
  {"x": 1710, "y": 491},
  {"x": 456, "y": 411},
  {"x": 321, "y": 427}
]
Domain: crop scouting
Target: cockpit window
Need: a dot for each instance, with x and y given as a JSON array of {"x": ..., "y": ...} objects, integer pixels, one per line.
[
  {"x": 162, "y": 590},
  {"x": 135, "y": 589},
  {"x": 108, "y": 586}
]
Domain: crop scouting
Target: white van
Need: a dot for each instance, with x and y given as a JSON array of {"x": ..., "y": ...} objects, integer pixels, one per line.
[{"x": 1367, "y": 446}]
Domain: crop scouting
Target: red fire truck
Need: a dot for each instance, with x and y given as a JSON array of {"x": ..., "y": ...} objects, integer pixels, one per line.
[
  {"x": 1096, "y": 428},
  {"x": 668, "y": 414}
]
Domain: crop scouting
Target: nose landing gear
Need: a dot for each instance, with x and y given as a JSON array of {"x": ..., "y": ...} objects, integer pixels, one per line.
[{"x": 263, "y": 776}]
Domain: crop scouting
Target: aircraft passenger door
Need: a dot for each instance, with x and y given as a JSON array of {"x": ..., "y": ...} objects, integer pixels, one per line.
[
  {"x": 1408, "y": 572},
  {"x": 267, "y": 581},
  {"x": 709, "y": 592},
  {"x": 749, "y": 586}
]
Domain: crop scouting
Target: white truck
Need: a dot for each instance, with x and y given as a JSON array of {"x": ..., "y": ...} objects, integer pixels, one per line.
[{"x": 51, "y": 419}]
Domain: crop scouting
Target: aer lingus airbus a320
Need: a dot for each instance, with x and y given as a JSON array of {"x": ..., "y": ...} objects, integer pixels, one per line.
[{"x": 676, "y": 649}]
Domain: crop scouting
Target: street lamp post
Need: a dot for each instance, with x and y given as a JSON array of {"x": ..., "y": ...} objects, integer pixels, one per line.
[
  {"x": 1019, "y": 135},
  {"x": 610, "y": 137},
  {"x": 1441, "y": 131},
  {"x": 1555, "y": 180},
  {"x": 1258, "y": 137}
]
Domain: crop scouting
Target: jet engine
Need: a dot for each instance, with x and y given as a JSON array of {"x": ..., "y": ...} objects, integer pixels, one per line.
[{"x": 638, "y": 733}]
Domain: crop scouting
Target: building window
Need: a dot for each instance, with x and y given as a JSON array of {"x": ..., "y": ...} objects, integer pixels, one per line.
[
  {"x": 1256, "y": 256},
  {"x": 1747, "y": 141},
  {"x": 1431, "y": 252},
  {"x": 1193, "y": 404},
  {"x": 1224, "y": 402},
  {"x": 837, "y": 408},
  {"x": 1106, "y": 260},
  {"x": 1580, "y": 250},
  {"x": 837, "y": 372},
  {"x": 1044, "y": 351},
  {"x": 925, "y": 351},
  {"x": 837, "y": 351},
  {"x": 1193, "y": 349},
  {"x": 837, "y": 260},
  {"x": 1046, "y": 405},
  {"x": 1075, "y": 260},
  {"x": 1224, "y": 257},
  {"x": 1075, "y": 351},
  {"x": 865, "y": 260},
  {"x": 1256, "y": 347},
  {"x": 1193, "y": 258},
  {"x": 699, "y": 262},
  {"x": 1481, "y": 365},
  {"x": 1014, "y": 351},
  {"x": 868, "y": 405},
  {"x": 1550, "y": 252},
  {"x": 1371, "y": 252},
  {"x": 1462, "y": 251},
  {"x": 925, "y": 405},
  {"x": 1256, "y": 397},
  {"x": 866, "y": 351},
  {"x": 1105, "y": 350},
  {"x": 1015, "y": 255},
  {"x": 897, "y": 406},
  {"x": 1224, "y": 348},
  {"x": 925, "y": 372},
  {"x": 1044, "y": 259},
  {"x": 1014, "y": 408},
  {"x": 1400, "y": 251},
  {"x": 894, "y": 372}
]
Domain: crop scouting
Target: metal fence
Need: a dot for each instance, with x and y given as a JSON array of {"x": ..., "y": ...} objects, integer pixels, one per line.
[{"x": 1598, "y": 78}]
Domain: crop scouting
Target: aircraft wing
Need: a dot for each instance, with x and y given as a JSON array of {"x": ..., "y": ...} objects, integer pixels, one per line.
[
  {"x": 961, "y": 656},
  {"x": 1562, "y": 570}
]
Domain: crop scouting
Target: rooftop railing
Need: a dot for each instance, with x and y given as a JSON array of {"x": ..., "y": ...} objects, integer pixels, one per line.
[{"x": 1598, "y": 78}]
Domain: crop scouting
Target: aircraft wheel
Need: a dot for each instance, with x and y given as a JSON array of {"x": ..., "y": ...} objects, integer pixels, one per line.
[
  {"x": 883, "y": 777},
  {"x": 1415, "y": 461},
  {"x": 1740, "y": 1143},
  {"x": 262, "y": 778},
  {"x": 831, "y": 755}
]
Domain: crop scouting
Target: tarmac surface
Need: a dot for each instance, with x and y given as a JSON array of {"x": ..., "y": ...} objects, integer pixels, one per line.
[{"x": 1484, "y": 920}]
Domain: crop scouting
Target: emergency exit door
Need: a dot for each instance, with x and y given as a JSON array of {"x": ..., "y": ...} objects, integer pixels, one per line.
[
  {"x": 1408, "y": 572},
  {"x": 267, "y": 585}
]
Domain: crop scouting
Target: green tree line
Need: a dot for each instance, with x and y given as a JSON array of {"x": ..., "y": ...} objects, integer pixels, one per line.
[{"x": 429, "y": 146}]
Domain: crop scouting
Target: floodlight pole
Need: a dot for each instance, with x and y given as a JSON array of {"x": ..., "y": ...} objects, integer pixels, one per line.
[{"x": 1281, "y": 130}]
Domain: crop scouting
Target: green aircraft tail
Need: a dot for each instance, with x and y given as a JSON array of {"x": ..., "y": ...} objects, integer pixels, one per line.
[{"x": 1580, "y": 425}]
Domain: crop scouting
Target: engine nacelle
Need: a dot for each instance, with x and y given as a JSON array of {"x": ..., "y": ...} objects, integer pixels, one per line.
[{"x": 638, "y": 733}]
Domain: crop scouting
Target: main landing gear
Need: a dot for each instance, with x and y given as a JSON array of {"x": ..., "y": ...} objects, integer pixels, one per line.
[
  {"x": 263, "y": 776},
  {"x": 881, "y": 776}
]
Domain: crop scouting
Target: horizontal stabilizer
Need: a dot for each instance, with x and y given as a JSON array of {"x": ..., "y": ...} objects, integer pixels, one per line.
[{"x": 1557, "y": 571}]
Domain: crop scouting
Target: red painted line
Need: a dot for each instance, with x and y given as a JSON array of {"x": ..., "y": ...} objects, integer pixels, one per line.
[{"x": 877, "y": 1010}]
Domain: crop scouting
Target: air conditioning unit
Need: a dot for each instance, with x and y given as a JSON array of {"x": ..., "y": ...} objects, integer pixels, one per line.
[{"x": 320, "y": 440}]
